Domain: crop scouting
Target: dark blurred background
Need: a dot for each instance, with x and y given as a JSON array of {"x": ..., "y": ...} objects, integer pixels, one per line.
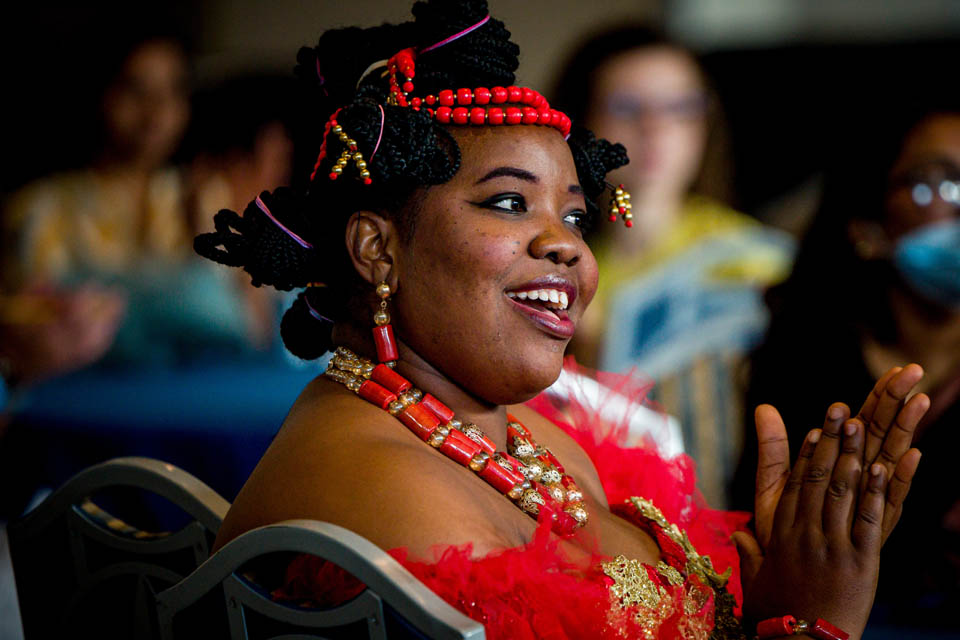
[{"x": 792, "y": 75}]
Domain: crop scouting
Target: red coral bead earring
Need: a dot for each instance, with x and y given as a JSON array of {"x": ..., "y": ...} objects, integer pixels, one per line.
[{"x": 383, "y": 331}]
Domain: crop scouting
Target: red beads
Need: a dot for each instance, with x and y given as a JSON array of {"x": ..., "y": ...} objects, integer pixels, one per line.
[
  {"x": 455, "y": 107},
  {"x": 464, "y": 443},
  {"x": 485, "y": 442},
  {"x": 384, "y": 375},
  {"x": 776, "y": 627},
  {"x": 460, "y": 115},
  {"x": 825, "y": 631},
  {"x": 420, "y": 420},
  {"x": 408, "y": 86},
  {"x": 788, "y": 626},
  {"x": 478, "y": 115},
  {"x": 499, "y": 477},
  {"x": 459, "y": 447},
  {"x": 442, "y": 411},
  {"x": 386, "y": 344},
  {"x": 375, "y": 394}
]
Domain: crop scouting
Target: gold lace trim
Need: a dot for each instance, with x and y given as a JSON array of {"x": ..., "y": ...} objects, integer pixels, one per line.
[{"x": 650, "y": 603}]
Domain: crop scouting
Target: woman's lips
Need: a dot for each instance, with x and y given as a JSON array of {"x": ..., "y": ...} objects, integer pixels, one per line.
[{"x": 555, "y": 322}]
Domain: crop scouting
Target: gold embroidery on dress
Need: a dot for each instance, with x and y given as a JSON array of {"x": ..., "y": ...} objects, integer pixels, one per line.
[{"x": 651, "y": 604}]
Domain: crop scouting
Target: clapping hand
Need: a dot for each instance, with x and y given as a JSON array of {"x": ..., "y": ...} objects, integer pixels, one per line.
[{"x": 820, "y": 525}]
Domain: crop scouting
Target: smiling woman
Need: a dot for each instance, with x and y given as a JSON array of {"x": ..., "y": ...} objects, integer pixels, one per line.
[{"x": 447, "y": 209}]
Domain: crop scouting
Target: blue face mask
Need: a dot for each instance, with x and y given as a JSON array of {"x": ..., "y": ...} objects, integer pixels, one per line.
[{"x": 929, "y": 260}]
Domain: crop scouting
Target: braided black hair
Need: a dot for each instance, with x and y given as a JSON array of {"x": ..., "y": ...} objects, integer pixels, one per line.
[{"x": 414, "y": 151}]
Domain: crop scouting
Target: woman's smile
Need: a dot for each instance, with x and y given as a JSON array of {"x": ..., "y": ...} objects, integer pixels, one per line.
[{"x": 545, "y": 301}]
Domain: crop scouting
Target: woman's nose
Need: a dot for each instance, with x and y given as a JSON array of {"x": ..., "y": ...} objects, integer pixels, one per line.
[{"x": 557, "y": 243}]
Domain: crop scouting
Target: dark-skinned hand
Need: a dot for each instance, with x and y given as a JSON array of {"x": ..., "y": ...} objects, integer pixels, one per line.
[{"x": 821, "y": 525}]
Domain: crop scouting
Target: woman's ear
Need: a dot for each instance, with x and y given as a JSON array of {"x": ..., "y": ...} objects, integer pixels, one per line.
[{"x": 372, "y": 242}]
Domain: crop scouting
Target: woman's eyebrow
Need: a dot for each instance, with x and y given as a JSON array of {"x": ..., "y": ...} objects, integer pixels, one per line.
[
  {"x": 575, "y": 189},
  {"x": 511, "y": 172}
]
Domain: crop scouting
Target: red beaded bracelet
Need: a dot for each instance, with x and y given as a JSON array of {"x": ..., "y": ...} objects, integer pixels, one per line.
[{"x": 790, "y": 626}]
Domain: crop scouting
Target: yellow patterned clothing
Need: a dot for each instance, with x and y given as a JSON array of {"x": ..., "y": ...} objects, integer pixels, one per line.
[
  {"x": 686, "y": 312},
  {"x": 84, "y": 222}
]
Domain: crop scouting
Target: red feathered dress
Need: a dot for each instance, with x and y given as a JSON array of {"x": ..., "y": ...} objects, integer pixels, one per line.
[{"x": 538, "y": 592}]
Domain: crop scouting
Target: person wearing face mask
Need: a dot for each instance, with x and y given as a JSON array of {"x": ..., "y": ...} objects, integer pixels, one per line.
[
  {"x": 682, "y": 289},
  {"x": 878, "y": 279}
]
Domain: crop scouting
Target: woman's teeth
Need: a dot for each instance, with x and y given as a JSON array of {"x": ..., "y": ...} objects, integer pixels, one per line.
[{"x": 551, "y": 298}]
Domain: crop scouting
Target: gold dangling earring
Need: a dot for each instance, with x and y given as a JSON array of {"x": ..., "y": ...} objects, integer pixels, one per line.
[{"x": 383, "y": 331}]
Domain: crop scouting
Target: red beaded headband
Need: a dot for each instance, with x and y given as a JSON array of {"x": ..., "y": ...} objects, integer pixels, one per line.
[{"x": 461, "y": 107}]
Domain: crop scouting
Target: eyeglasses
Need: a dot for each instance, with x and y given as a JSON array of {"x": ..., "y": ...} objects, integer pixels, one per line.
[
  {"x": 937, "y": 179},
  {"x": 631, "y": 107}
]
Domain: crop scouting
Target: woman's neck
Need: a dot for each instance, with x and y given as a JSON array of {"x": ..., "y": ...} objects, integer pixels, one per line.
[{"x": 491, "y": 418}]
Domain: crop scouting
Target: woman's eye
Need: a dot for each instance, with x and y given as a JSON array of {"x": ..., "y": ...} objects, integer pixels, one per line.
[
  {"x": 579, "y": 219},
  {"x": 506, "y": 202}
]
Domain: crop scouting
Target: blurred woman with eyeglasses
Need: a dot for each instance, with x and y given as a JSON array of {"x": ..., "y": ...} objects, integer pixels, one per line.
[
  {"x": 877, "y": 280},
  {"x": 682, "y": 290}
]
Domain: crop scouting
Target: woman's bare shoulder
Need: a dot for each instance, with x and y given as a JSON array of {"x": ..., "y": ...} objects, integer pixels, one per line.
[{"x": 342, "y": 460}]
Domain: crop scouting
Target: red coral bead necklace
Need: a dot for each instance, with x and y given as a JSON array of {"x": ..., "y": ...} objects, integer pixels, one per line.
[{"x": 527, "y": 473}]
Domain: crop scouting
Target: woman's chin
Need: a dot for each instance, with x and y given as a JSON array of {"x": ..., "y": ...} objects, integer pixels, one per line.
[{"x": 528, "y": 383}]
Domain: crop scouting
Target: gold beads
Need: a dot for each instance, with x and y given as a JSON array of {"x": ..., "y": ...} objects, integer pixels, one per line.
[
  {"x": 531, "y": 471},
  {"x": 479, "y": 461},
  {"x": 381, "y": 318},
  {"x": 349, "y": 153},
  {"x": 550, "y": 476},
  {"x": 578, "y": 513},
  {"x": 383, "y": 290},
  {"x": 620, "y": 204},
  {"x": 531, "y": 501}
]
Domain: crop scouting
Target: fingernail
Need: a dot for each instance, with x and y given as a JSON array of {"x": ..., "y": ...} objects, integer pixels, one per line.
[
  {"x": 850, "y": 428},
  {"x": 834, "y": 413},
  {"x": 875, "y": 469},
  {"x": 814, "y": 436}
]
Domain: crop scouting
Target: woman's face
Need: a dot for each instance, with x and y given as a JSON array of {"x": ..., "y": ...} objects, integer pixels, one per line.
[
  {"x": 925, "y": 180},
  {"x": 653, "y": 101},
  {"x": 507, "y": 225},
  {"x": 147, "y": 107}
]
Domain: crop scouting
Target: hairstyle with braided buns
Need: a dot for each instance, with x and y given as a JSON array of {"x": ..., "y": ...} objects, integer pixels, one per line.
[{"x": 412, "y": 151}]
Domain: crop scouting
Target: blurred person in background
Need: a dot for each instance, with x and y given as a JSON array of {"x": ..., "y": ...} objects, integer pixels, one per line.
[
  {"x": 127, "y": 203},
  {"x": 122, "y": 223},
  {"x": 238, "y": 144},
  {"x": 878, "y": 279},
  {"x": 681, "y": 294}
]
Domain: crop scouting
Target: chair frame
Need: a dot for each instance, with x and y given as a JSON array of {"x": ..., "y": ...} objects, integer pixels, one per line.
[
  {"x": 387, "y": 581},
  {"x": 85, "y": 521}
]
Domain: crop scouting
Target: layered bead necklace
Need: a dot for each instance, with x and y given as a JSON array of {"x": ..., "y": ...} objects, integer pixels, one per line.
[{"x": 527, "y": 473}]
